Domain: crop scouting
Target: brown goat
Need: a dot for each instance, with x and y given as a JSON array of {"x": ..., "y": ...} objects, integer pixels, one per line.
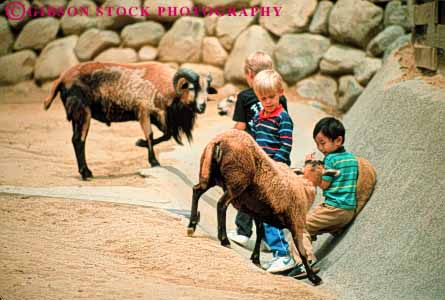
[
  {"x": 252, "y": 182},
  {"x": 147, "y": 92}
]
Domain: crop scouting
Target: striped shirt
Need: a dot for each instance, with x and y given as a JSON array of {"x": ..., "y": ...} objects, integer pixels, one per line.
[
  {"x": 274, "y": 133},
  {"x": 342, "y": 189}
]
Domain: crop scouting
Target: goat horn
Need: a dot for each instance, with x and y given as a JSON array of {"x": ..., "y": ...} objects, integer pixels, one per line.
[{"x": 188, "y": 74}]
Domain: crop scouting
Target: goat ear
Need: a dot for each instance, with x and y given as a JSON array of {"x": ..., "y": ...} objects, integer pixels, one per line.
[
  {"x": 181, "y": 85},
  {"x": 211, "y": 90},
  {"x": 331, "y": 172},
  {"x": 298, "y": 171}
]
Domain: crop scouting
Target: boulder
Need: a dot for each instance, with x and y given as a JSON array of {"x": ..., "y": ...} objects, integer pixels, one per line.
[
  {"x": 228, "y": 28},
  {"x": 140, "y": 34},
  {"x": 55, "y": 58},
  {"x": 17, "y": 66},
  {"x": 204, "y": 70},
  {"x": 320, "y": 20},
  {"x": 298, "y": 55},
  {"x": 348, "y": 91},
  {"x": 37, "y": 33},
  {"x": 147, "y": 53},
  {"x": 182, "y": 43},
  {"x": 118, "y": 19},
  {"x": 94, "y": 41},
  {"x": 365, "y": 70},
  {"x": 78, "y": 24},
  {"x": 158, "y": 9},
  {"x": 294, "y": 16},
  {"x": 118, "y": 55},
  {"x": 397, "y": 14},
  {"x": 254, "y": 38},
  {"x": 382, "y": 41},
  {"x": 341, "y": 59},
  {"x": 320, "y": 88},
  {"x": 213, "y": 52},
  {"x": 401, "y": 41},
  {"x": 355, "y": 22},
  {"x": 6, "y": 37}
]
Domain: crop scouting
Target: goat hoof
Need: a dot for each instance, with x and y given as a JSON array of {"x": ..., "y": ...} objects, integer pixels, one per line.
[
  {"x": 86, "y": 173},
  {"x": 255, "y": 260},
  {"x": 154, "y": 163},
  {"x": 141, "y": 143},
  {"x": 225, "y": 242},
  {"x": 316, "y": 280},
  {"x": 190, "y": 231}
]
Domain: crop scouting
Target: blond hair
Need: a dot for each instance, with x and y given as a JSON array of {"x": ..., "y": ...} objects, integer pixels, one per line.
[
  {"x": 267, "y": 82},
  {"x": 257, "y": 62}
]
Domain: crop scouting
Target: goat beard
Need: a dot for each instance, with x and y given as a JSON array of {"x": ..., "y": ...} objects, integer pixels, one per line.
[{"x": 181, "y": 120}]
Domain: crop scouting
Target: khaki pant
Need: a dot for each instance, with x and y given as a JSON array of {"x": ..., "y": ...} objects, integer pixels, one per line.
[{"x": 323, "y": 219}]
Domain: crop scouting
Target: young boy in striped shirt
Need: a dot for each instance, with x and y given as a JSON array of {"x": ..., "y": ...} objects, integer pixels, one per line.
[
  {"x": 340, "y": 203},
  {"x": 272, "y": 129}
]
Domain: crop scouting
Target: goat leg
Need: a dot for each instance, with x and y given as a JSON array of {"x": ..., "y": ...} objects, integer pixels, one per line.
[
  {"x": 194, "y": 214},
  {"x": 143, "y": 143},
  {"x": 298, "y": 240},
  {"x": 81, "y": 125},
  {"x": 255, "y": 257},
  {"x": 146, "y": 128},
  {"x": 222, "y": 205}
]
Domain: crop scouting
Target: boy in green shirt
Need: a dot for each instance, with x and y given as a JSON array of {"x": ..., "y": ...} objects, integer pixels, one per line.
[{"x": 340, "y": 203}]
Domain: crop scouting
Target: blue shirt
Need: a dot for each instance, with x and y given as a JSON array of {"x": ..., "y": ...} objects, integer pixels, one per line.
[
  {"x": 341, "y": 192},
  {"x": 274, "y": 133}
]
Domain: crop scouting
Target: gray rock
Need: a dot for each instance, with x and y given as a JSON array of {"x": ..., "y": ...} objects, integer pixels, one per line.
[
  {"x": 6, "y": 37},
  {"x": 320, "y": 88},
  {"x": 294, "y": 16},
  {"x": 17, "y": 67},
  {"x": 401, "y": 41},
  {"x": 140, "y": 34},
  {"x": 78, "y": 24},
  {"x": 397, "y": 14},
  {"x": 254, "y": 38},
  {"x": 18, "y": 23},
  {"x": 228, "y": 28},
  {"x": 341, "y": 59},
  {"x": 355, "y": 22},
  {"x": 55, "y": 58},
  {"x": 298, "y": 55},
  {"x": 117, "y": 21},
  {"x": 379, "y": 44},
  {"x": 320, "y": 20},
  {"x": 213, "y": 52},
  {"x": 147, "y": 53},
  {"x": 348, "y": 91},
  {"x": 182, "y": 43},
  {"x": 204, "y": 70},
  {"x": 364, "y": 71},
  {"x": 118, "y": 55},
  {"x": 37, "y": 33},
  {"x": 94, "y": 41},
  {"x": 158, "y": 9},
  {"x": 52, "y": 3}
]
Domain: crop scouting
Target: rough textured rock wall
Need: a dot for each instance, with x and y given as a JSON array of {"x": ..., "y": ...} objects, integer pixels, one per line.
[{"x": 312, "y": 42}]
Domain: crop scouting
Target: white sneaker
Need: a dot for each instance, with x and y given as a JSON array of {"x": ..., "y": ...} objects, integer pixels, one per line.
[
  {"x": 238, "y": 238},
  {"x": 281, "y": 264},
  {"x": 264, "y": 247}
]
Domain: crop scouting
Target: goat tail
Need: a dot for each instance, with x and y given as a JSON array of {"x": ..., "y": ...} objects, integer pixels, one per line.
[
  {"x": 212, "y": 154},
  {"x": 55, "y": 88}
]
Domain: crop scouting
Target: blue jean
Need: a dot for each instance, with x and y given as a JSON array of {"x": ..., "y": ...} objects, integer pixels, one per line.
[{"x": 274, "y": 238}]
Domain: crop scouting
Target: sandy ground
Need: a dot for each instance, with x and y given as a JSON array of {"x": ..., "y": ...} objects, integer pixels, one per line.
[{"x": 66, "y": 249}]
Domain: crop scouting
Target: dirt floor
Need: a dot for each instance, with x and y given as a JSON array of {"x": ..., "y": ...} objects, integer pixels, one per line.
[{"x": 70, "y": 249}]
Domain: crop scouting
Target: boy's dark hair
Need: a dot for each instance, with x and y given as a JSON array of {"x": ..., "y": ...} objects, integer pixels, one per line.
[{"x": 330, "y": 127}]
